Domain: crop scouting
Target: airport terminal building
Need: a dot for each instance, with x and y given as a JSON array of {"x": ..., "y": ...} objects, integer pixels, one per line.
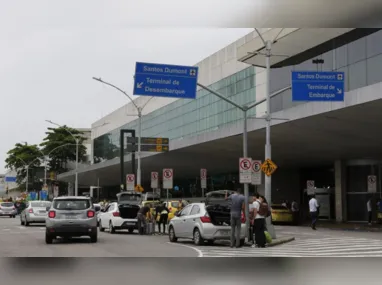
[{"x": 335, "y": 144}]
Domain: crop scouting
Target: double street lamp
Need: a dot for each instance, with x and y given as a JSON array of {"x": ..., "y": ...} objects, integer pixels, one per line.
[
  {"x": 139, "y": 110},
  {"x": 77, "y": 140}
]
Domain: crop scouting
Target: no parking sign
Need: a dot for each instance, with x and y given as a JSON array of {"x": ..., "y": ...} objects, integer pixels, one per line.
[{"x": 168, "y": 175}]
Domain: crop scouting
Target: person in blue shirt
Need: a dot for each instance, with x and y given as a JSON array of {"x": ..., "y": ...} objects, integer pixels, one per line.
[{"x": 237, "y": 207}]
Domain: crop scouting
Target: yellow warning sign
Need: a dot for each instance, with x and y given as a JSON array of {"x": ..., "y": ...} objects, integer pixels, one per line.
[
  {"x": 268, "y": 167},
  {"x": 138, "y": 188}
]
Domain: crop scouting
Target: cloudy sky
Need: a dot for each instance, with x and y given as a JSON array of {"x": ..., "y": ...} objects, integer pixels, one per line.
[{"x": 49, "y": 53}]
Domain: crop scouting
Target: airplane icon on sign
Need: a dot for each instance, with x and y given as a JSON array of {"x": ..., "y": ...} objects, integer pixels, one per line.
[{"x": 192, "y": 72}]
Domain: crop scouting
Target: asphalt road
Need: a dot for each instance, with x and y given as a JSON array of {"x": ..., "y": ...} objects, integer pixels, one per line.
[{"x": 21, "y": 241}]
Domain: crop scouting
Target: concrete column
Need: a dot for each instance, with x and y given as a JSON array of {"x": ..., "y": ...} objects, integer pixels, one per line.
[{"x": 340, "y": 190}]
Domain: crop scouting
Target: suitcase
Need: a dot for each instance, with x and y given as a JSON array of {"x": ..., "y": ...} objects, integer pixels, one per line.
[{"x": 149, "y": 229}]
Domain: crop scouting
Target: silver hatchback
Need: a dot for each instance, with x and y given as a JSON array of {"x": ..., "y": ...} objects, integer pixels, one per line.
[{"x": 71, "y": 217}]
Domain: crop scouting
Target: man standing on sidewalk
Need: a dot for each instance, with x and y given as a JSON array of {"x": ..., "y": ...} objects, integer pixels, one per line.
[
  {"x": 369, "y": 211},
  {"x": 313, "y": 209},
  {"x": 260, "y": 210},
  {"x": 237, "y": 207}
]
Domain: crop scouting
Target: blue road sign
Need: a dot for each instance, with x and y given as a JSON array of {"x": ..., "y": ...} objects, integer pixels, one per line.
[
  {"x": 10, "y": 179},
  {"x": 43, "y": 195},
  {"x": 162, "y": 80},
  {"x": 318, "y": 86}
]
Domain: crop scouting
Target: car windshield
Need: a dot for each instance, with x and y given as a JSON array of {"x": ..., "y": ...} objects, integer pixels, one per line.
[
  {"x": 71, "y": 204},
  {"x": 40, "y": 204},
  {"x": 129, "y": 197},
  {"x": 7, "y": 204},
  {"x": 175, "y": 204}
]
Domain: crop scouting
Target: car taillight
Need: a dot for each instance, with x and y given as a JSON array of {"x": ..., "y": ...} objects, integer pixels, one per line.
[
  {"x": 205, "y": 219},
  {"x": 30, "y": 211},
  {"x": 52, "y": 214},
  {"x": 116, "y": 214},
  {"x": 91, "y": 214}
]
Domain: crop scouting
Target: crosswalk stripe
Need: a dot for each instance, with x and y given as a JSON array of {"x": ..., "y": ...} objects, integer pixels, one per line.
[{"x": 323, "y": 247}]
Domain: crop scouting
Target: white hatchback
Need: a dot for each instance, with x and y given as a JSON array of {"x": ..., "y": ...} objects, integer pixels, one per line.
[{"x": 201, "y": 223}]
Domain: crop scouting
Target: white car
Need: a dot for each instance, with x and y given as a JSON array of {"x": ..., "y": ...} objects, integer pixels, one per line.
[
  {"x": 201, "y": 222},
  {"x": 119, "y": 217}
]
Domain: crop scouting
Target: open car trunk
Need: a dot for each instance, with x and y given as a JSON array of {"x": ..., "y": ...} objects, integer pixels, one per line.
[
  {"x": 128, "y": 211},
  {"x": 218, "y": 208}
]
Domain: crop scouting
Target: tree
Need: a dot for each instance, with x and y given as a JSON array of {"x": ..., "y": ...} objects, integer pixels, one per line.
[
  {"x": 60, "y": 145},
  {"x": 104, "y": 148},
  {"x": 22, "y": 155}
]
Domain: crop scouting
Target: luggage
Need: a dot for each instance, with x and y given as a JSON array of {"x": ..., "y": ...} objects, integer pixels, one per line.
[
  {"x": 149, "y": 229},
  {"x": 268, "y": 237}
]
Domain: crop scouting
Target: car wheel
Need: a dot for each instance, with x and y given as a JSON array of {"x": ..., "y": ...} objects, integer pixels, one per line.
[
  {"x": 21, "y": 221},
  {"x": 94, "y": 238},
  {"x": 48, "y": 238},
  {"x": 131, "y": 230},
  {"x": 101, "y": 229},
  {"x": 26, "y": 222},
  {"x": 111, "y": 228},
  {"x": 171, "y": 235},
  {"x": 198, "y": 240}
]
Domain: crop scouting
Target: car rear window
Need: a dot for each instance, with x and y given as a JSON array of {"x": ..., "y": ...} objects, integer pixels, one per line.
[
  {"x": 40, "y": 204},
  {"x": 7, "y": 204},
  {"x": 71, "y": 204},
  {"x": 175, "y": 204},
  {"x": 129, "y": 197}
]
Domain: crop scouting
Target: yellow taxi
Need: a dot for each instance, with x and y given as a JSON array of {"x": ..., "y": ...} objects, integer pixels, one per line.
[
  {"x": 154, "y": 204},
  {"x": 281, "y": 214},
  {"x": 173, "y": 207}
]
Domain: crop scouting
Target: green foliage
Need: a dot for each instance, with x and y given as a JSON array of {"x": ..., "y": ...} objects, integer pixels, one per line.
[
  {"x": 60, "y": 145},
  {"x": 22, "y": 155}
]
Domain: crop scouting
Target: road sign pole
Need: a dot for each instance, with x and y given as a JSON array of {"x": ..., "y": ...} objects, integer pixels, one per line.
[
  {"x": 246, "y": 188},
  {"x": 167, "y": 194},
  {"x": 139, "y": 145},
  {"x": 268, "y": 154}
]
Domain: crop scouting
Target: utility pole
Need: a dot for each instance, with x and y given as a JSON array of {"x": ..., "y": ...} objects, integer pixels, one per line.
[{"x": 139, "y": 111}]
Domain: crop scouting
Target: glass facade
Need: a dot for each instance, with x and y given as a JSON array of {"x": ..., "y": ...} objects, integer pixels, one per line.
[
  {"x": 185, "y": 118},
  {"x": 361, "y": 61}
]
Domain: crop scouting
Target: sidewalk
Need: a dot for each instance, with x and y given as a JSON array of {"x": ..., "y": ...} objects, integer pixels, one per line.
[{"x": 345, "y": 226}]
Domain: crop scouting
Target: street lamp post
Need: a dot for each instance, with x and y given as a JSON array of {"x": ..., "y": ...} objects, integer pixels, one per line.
[
  {"x": 77, "y": 146},
  {"x": 139, "y": 110},
  {"x": 26, "y": 165}
]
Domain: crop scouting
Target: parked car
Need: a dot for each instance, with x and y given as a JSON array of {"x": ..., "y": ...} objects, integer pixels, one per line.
[
  {"x": 35, "y": 212},
  {"x": 8, "y": 209},
  {"x": 122, "y": 214},
  {"x": 202, "y": 222},
  {"x": 70, "y": 216},
  {"x": 281, "y": 215}
]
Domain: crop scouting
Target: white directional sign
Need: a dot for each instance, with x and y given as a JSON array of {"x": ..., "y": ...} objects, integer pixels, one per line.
[
  {"x": 130, "y": 182},
  {"x": 245, "y": 169},
  {"x": 372, "y": 183},
  {"x": 154, "y": 180},
  {"x": 168, "y": 176},
  {"x": 256, "y": 172},
  {"x": 310, "y": 187},
  {"x": 203, "y": 178}
]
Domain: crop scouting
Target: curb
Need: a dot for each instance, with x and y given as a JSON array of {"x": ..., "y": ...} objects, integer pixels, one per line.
[{"x": 281, "y": 241}]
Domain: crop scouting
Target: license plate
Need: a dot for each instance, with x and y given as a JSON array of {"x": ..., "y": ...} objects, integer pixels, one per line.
[
  {"x": 42, "y": 212},
  {"x": 71, "y": 217}
]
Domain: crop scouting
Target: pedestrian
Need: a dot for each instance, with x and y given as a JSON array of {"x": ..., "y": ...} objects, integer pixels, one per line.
[
  {"x": 295, "y": 212},
  {"x": 180, "y": 205},
  {"x": 237, "y": 207},
  {"x": 369, "y": 211},
  {"x": 313, "y": 209},
  {"x": 251, "y": 218},
  {"x": 162, "y": 212},
  {"x": 142, "y": 215},
  {"x": 260, "y": 212},
  {"x": 284, "y": 204}
]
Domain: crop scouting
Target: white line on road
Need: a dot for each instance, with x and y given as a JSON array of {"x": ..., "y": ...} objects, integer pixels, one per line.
[{"x": 200, "y": 253}]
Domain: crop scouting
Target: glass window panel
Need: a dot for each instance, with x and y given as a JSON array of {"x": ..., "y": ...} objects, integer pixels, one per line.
[
  {"x": 357, "y": 75},
  {"x": 374, "y": 44},
  {"x": 357, "y": 51},
  {"x": 374, "y": 69}
]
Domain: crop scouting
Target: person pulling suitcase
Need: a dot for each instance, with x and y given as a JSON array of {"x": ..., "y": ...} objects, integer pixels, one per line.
[{"x": 162, "y": 212}]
